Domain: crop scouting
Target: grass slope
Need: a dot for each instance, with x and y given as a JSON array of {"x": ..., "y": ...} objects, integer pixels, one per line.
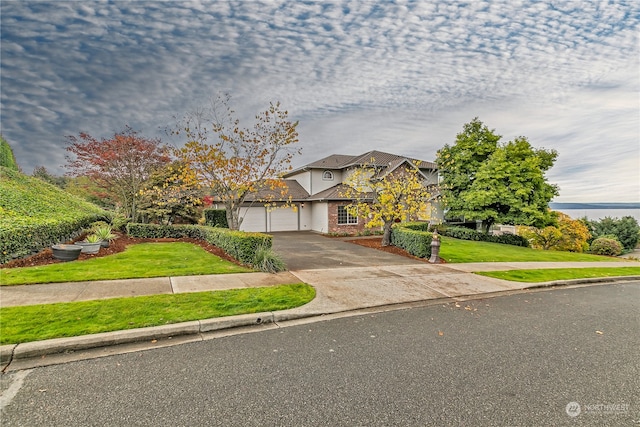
[{"x": 27, "y": 200}]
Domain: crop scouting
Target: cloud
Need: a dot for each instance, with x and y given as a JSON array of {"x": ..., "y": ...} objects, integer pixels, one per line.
[{"x": 396, "y": 76}]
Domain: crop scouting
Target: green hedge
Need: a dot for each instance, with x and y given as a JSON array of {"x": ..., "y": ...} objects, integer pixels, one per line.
[
  {"x": 239, "y": 244},
  {"x": 216, "y": 218},
  {"x": 35, "y": 215},
  {"x": 19, "y": 241},
  {"x": 464, "y": 233},
  {"x": 413, "y": 238}
]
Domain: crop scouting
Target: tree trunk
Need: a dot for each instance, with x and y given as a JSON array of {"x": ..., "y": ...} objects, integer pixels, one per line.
[{"x": 386, "y": 235}]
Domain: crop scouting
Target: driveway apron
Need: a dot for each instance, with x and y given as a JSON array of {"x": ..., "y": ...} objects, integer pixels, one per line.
[{"x": 305, "y": 250}]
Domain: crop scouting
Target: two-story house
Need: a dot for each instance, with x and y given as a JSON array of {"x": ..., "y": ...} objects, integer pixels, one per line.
[{"x": 315, "y": 191}]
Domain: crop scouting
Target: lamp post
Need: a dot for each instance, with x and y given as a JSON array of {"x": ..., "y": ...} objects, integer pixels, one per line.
[{"x": 435, "y": 248}]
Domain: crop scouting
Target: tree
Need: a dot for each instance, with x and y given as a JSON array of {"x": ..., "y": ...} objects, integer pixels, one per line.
[
  {"x": 570, "y": 235},
  {"x": 458, "y": 164},
  {"x": 119, "y": 165},
  {"x": 626, "y": 230},
  {"x": 166, "y": 197},
  {"x": 7, "y": 158},
  {"x": 42, "y": 173},
  {"x": 385, "y": 197},
  {"x": 239, "y": 161},
  {"x": 482, "y": 180}
]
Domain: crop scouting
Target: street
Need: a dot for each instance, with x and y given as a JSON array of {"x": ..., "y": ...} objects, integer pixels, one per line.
[{"x": 566, "y": 356}]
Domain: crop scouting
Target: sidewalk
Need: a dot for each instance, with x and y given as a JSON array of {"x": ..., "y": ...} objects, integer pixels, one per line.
[{"x": 338, "y": 290}]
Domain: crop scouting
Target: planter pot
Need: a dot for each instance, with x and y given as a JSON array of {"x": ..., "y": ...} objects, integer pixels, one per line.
[
  {"x": 89, "y": 248},
  {"x": 104, "y": 244},
  {"x": 66, "y": 252}
]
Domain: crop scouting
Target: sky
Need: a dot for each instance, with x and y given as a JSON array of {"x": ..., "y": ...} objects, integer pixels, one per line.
[{"x": 401, "y": 77}]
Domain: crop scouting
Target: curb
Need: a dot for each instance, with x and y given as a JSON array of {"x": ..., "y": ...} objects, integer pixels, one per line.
[
  {"x": 14, "y": 352},
  {"x": 38, "y": 349}
]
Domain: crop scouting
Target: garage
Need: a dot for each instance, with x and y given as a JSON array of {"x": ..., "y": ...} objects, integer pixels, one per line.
[{"x": 259, "y": 218}]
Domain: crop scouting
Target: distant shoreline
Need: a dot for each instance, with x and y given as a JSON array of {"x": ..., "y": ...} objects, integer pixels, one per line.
[{"x": 560, "y": 206}]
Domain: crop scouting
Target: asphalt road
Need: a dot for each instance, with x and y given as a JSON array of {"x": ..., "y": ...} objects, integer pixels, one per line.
[{"x": 554, "y": 357}]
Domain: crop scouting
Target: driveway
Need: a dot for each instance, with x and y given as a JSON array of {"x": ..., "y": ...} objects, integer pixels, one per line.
[{"x": 306, "y": 250}]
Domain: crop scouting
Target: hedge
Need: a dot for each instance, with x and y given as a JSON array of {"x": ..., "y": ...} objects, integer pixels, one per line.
[
  {"x": 19, "y": 241},
  {"x": 464, "y": 233},
  {"x": 35, "y": 215},
  {"x": 413, "y": 238},
  {"x": 239, "y": 244},
  {"x": 216, "y": 218}
]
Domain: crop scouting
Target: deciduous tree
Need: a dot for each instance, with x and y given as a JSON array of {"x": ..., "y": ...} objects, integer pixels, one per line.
[
  {"x": 232, "y": 161},
  {"x": 494, "y": 183},
  {"x": 119, "y": 165},
  {"x": 166, "y": 197},
  {"x": 384, "y": 197}
]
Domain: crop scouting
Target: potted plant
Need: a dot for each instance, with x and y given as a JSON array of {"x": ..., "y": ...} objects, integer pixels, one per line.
[
  {"x": 91, "y": 245},
  {"x": 66, "y": 252},
  {"x": 105, "y": 235}
]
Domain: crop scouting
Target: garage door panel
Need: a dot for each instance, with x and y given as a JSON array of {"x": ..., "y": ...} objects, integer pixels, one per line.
[{"x": 283, "y": 219}]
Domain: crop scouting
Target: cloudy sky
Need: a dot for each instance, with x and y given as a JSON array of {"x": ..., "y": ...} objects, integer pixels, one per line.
[{"x": 401, "y": 77}]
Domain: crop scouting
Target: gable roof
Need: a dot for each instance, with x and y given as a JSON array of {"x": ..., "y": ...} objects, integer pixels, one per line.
[
  {"x": 293, "y": 189},
  {"x": 334, "y": 193},
  {"x": 371, "y": 158}
]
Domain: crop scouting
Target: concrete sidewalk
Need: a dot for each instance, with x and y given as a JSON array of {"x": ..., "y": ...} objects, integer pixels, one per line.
[{"x": 337, "y": 291}]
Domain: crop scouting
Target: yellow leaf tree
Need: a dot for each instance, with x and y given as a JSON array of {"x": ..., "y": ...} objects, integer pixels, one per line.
[
  {"x": 385, "y": 196},
  {"x": 234, "y": 162}
]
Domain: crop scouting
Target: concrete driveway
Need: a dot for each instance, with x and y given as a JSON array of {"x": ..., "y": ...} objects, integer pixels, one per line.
[{"x": 306, "y": 250}]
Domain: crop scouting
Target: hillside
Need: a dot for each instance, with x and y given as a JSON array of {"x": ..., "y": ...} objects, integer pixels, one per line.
[{"x": 35, "y": 214}]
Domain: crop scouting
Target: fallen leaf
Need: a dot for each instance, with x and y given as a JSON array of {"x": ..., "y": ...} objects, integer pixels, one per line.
[
  {"x": 599, "y": 332},
  {"x": 440, "y": 333},
  {"x": 468, "y": 308},
  {"x": 457, "y": 305},
  {"x": 154, "y": 341}
]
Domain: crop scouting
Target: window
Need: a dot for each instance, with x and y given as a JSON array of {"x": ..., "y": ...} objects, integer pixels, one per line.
[
  {"x": 327, "y": 176},
  {"x": 344, "y": 217}
]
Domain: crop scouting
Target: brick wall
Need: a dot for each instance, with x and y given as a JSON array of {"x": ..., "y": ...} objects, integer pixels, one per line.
[{"x": 334, "y": 227}]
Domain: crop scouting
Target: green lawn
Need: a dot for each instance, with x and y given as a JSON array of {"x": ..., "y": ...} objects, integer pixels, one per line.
[
  {"x": 39, "y": 322},
  {"x": 547, "y": 275},
  {"x": 457, "y": 251},
  {"x": 137, "y": 261}
]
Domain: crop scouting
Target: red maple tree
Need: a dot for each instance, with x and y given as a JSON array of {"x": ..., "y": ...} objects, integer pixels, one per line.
[{"x": 119, "y": 165}]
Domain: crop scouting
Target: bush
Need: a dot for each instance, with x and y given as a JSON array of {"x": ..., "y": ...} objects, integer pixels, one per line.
[
  {"x": 267, "y": 260},
  {"x": 35, "y": 215},
  {"x": 239, "y": 244},
  {"x": 216, "y": 218},
  {"x": 606, "y": 246},
  {"x": 464, "y": 233},
  {"x": 626, "y": 230},
  {"x": 416, "y": 242}
]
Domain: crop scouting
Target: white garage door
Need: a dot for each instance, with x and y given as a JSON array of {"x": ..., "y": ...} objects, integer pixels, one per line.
[
  {"x": 255, "y": 219},
  {"x": 283, "y": 219}
]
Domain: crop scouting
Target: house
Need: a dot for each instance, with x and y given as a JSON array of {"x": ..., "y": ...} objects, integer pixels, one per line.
[{"x": 315, "y": 194}]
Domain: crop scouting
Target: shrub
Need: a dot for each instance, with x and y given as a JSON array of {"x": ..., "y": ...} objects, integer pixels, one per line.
[
  {"x": 239, "y": 244},
  {"x": 216, "y": 218},
  {"x": 417, "y": 243},
  {"x": 606, "y": 246},
  {"x": 35, "y": 215},
  {"x": 267, "y": 260},
  {"x": 626, "y": 230},
  {"x": 464, "y": 233}
]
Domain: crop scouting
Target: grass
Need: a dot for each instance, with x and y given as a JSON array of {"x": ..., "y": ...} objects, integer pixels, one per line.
[
  {"x": 137, "y": 261},
  {"x": 45, "y": 321},
  {"x": 547, "y": 275},
  {"x": 457, "y": 251}
]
